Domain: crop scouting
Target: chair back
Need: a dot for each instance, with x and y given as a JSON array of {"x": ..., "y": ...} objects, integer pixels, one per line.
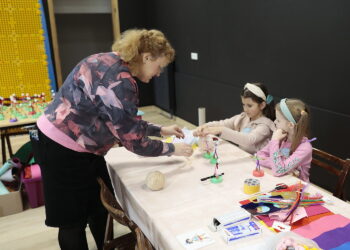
[
  {"x": 111, "y": 204},
  {"x": 335, "y": 165},
  {"x": 116, "y": 212}
]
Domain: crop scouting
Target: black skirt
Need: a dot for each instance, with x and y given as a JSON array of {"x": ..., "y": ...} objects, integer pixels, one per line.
[{"x": 71, "y": 190}]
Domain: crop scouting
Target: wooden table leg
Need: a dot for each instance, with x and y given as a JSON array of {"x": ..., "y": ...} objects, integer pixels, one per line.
[
  {"x": 3, "y": 148},
  {"x": 8, "y": 142}
]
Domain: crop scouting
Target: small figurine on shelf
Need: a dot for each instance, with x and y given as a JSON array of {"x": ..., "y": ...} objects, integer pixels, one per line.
[
  {"x": 26, "y": 104},
  {"x": 30, "y": 103},
  {"x": 258, "y": 172},
  {"x": 42, "y": 102},
  {"x": 13, "y": 110},
  {"x": 43, "y": 97}
]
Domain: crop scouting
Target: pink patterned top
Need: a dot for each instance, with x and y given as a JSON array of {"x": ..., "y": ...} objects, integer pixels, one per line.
[
  {"x": 277, "y": 157},
  {"x": 96, "y": 107}
]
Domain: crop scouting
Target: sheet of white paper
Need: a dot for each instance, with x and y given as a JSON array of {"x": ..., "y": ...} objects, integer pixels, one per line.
[
  {"x": 188, "y": 139},
  {"x": 195, "y": 239}
]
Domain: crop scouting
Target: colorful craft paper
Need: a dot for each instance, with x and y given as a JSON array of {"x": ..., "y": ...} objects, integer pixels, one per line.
[
  {"x": 300, "y": 223},
  {"x": 322, "y": 225},
  {"x": 334, "y": 238},
  {"x": 298, "y": 214},
  {"x": 308, "y": 220},
  {"x": 315, "y": 210},
  {"x": 345, "y": 246},
  {"x": 260, "y": 208}
]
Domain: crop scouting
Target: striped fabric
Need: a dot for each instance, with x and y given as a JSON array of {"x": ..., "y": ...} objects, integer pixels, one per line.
[{"x": 329, "y": 232}]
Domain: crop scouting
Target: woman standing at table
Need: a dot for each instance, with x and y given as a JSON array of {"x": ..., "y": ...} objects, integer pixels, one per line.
[{"x": 94, "y": 110}]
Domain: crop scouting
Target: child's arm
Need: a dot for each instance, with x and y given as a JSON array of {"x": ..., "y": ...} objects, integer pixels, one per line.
[
  {"x": 264, "y": 156},
  {"x": 258, "y": 134},
  {"x": 281, "y": 165},
  {"x": 229, "y": 123}
]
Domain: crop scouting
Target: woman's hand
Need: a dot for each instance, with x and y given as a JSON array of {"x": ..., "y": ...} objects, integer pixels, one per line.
[
  {"x": 211, "y": 131},
  {"x": 279, "y": 135},
  {"x": 172, "y": 130},
  {"x": 183, "y": 149}
]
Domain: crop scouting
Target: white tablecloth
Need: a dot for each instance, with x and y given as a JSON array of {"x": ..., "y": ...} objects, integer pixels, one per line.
[{"x": 186, "y": 204}]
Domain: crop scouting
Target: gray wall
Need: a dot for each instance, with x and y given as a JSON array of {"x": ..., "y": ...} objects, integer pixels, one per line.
[{"x": 80, "y": 35}]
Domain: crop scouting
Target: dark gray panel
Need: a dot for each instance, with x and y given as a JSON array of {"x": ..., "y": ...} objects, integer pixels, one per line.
[
  {"x": 164, "y": 90},
  {"x": 220, "y": 100},
  {"x": 186, "y": 24},
  {"x": 300, "y": 48},
  {"x": 132, "y": 14},
  {"x": 146, "y": 93},
  {"x": 80, "y": 35},
  {"x": 332, "y": 131}
]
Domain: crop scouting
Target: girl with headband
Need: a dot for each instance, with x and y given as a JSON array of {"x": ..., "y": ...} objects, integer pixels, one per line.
[
  {"x": 289, "y": 150},
  {"x": 251, "y": 129}
]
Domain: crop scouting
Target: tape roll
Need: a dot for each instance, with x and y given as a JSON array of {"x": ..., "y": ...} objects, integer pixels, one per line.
[{"x": 251, "y": 186}]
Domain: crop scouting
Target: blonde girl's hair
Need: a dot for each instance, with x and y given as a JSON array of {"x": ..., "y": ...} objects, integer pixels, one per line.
[
  {"x": 134, "y": 42},
  {"x": 301, "y": 115}
]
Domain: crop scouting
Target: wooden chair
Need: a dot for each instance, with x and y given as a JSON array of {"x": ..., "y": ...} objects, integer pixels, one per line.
[
  {"x": 337, "y": 166},
  {"x": 134, "y": 240}
]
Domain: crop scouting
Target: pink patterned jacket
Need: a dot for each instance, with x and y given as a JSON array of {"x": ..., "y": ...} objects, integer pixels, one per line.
[
  {"x": 277, "y": 157},
  {"x": 96, "y": 107}
]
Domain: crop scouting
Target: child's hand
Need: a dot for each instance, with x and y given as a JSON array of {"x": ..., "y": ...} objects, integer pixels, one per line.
[
  {"x": 212, "y": 131},
  {"x": 199, "y": 131},
  {"x": 172, "y": 130},
  {"x": 279, "y": 135}
]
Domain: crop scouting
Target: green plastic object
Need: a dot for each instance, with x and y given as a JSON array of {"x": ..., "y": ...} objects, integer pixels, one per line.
[
  {"x": 213, "y": 161},
  {"x": 216, "y": 180},
  {"x": 207, "y": 155}
]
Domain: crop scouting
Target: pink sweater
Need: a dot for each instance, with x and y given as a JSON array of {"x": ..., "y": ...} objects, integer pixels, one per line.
[
  {"x": 277, "y": 158},
  {"x": 250, "y": 136}
]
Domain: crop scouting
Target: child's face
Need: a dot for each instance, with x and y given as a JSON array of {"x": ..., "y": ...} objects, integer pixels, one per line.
[
  {"x": 282, "y": 123},
  {"x": 251, "y": 108}
]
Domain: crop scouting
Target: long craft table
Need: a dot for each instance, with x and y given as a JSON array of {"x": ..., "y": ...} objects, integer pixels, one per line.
[{"x": 186, "y": 204}]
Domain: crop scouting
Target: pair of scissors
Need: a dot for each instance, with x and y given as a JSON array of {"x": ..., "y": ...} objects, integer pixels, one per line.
[{"x": 281, "y": 186}]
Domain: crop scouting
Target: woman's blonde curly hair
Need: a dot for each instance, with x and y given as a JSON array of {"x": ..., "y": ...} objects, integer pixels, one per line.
[{"x": 134, "y": 42}]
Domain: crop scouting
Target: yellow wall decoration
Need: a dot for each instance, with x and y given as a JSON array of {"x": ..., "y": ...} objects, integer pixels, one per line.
[{"x": 24, "y": 61}]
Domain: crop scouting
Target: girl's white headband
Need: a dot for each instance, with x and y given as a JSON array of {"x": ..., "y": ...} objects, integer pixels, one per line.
[{"x": 255, "y": 90}]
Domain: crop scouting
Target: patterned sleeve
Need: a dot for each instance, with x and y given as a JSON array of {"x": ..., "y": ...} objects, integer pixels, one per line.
[
  {"x": 264, "y": 156},
  {"x": 282, "y": 164},
  {"x": 153, "y": 130},
  {"x": 119, "y": 109}
]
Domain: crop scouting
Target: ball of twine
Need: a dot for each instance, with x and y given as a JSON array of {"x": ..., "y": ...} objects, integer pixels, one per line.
[{"x": 155, "y": 180}]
